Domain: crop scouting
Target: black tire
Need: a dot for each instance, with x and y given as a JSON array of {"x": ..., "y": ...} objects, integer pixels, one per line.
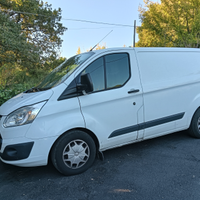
[
  {"x": 194, "y": 129},
  {"x": 73, "y": 153}
]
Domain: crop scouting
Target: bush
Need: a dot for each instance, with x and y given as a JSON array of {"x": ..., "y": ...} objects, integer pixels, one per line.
[
  {"x": 14, "y": 81},
  {"x": 6, "y": 94}
]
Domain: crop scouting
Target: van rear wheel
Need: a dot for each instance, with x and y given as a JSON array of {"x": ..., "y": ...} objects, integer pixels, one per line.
[
  {"x": 73, "y": 153},
  {"x": 194, "y": 129}
]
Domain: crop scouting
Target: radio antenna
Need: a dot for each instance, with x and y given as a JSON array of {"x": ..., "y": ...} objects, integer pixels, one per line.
[{"x": 101, "y": 40}]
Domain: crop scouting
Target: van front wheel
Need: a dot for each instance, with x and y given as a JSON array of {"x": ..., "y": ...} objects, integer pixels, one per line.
[
  {"x": 194, "y": 129},
  {"x": 73, "y": 153}
]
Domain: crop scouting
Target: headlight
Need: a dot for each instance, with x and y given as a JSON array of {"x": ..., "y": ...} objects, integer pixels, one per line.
[{"x": 24, "y": 115}]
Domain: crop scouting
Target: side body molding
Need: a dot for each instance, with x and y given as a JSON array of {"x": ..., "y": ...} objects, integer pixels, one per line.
[{"x": 146, "y": 125}]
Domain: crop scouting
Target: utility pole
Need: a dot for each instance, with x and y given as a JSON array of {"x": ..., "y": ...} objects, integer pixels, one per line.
[{"x": 134, "y": 33}]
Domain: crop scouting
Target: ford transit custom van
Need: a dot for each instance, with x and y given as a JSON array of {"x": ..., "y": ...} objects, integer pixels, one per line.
[{"x": 101, "y": 100}]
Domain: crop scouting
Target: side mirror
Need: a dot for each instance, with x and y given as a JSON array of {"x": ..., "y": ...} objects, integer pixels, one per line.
[{"x": 86, "y": 83}]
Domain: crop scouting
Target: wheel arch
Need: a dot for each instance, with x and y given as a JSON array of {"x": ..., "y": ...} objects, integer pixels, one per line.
[
  {"x": 193, "y": 115},
  {"x": 190, "y": 111},
  {"x": 90, "y": 133}
]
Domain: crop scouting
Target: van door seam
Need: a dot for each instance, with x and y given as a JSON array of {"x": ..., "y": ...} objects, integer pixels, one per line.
[{"x": 81, "y": 112}]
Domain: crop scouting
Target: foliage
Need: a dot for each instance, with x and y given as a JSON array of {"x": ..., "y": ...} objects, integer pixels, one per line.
[
  {"x": 13, "y": 43},
  {"x": 6, "y": 94},
  {"x": 13, "y": 80},
  {"x": 53, "y": 63},
  {"x": 29, "y": 44},
  {"x": 37, "y": 25},
  {"x": 170, "y": 23},
  {"x": 98, "y": 47},
  {"x": 78, "y": 51}
]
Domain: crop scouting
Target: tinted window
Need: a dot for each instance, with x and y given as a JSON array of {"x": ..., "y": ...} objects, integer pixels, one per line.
[
  {"x": 110, "y": 71},
  {"x": 96, "y": 71},
  {"x": 117, "y": 69}
]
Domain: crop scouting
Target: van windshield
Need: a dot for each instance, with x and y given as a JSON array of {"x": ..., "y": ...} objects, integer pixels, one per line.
[{"x": 63, "y": 71}]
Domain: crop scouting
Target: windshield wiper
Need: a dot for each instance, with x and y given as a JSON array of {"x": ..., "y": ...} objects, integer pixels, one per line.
[{"x": 35, "y": 89}]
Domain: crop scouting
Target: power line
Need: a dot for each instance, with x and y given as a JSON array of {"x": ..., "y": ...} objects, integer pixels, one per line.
[
  {"x": 20, "y": 12},
  {"x": 95, "y": 22},
  {"x": 90, "y": 28},
  {"x": 77, "y": 20}
]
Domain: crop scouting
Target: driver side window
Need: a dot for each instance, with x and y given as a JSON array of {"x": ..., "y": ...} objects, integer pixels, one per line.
[
  {"x": 108, "y": 72},
  {"x": 96, "y": 71}
]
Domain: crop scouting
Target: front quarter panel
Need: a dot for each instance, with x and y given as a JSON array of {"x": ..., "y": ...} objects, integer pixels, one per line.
[{"x": 55, "y": 118}]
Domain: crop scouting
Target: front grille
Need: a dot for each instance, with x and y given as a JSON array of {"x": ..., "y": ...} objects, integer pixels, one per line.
[{"x": 1, "y": 140}]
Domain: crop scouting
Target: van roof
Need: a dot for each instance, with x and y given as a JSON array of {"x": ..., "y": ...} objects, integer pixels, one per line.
[{"x": 149, "y": 49}]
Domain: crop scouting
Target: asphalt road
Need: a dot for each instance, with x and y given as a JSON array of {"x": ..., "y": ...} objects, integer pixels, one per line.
[{"x": 163, "y": 168}]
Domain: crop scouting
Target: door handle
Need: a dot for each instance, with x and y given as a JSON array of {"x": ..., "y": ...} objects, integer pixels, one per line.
[{"x": 133, "y": 91}]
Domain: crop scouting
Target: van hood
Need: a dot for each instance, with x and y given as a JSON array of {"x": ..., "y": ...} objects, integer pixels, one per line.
[{"x": 24, "y": 99}]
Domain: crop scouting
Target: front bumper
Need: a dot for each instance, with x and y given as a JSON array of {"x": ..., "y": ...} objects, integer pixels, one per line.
[
  {"x": 24, "y": 152},
  {"x": 17, "y": 151}
]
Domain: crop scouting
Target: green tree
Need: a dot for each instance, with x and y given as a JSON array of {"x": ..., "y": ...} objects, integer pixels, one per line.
[
  {"x": 13, "y": 44},
  {"x": 53, "y": 63},
  {"x": 39, "y": 24},
  {"x": 170, "y": 23},
  {"x": 29, "y": 44},
  {"x": 14, "y": 49}
]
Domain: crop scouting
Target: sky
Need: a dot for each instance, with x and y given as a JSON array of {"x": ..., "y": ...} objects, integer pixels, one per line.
[{"x": 86, "y": 35}]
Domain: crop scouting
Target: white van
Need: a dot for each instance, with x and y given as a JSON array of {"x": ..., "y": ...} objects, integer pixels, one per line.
[{"x": 100, "y": 100}]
